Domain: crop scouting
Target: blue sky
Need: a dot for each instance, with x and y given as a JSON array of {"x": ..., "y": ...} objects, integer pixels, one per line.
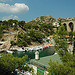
[{"x": 30, "y": 9}]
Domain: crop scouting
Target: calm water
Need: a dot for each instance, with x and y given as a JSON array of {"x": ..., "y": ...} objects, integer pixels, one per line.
[{"x": 31, "y": 54}]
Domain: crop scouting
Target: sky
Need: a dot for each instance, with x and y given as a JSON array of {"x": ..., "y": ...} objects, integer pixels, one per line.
[{"x": 28, "y": 10}]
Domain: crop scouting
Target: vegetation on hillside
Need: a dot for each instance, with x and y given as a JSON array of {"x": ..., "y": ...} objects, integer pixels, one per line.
[
  {"x": 68, "y": 59},
  {"x": 31, "y": 36},
  {"x": 32, "y": 32},
  {"x": 43, "y": 19}
]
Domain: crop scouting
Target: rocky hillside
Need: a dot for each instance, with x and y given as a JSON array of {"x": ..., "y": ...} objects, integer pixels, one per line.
[
  {"x": 8, "y": 36},
  {"x": 30, "y": 33},
  {"x": 43, "y": 19},
  {"x": 49, "y": 19}
]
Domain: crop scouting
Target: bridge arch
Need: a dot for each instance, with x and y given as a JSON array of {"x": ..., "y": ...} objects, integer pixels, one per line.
[
  {"x": 71, "y": 26},
  {"x": 65, "y": 25}
]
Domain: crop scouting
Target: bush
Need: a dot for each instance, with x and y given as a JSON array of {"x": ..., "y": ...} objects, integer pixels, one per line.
[
  {"x": 12, "y": 43},
  {"x": 3, "y": 40},
  {"x": 0, "y": 36},
  {"x": 22, "y": 43}
]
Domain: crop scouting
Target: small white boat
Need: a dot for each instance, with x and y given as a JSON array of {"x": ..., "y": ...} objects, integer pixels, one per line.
[
  {"x": 9, "y": 51},
  {"x": 20, "y": 49}
]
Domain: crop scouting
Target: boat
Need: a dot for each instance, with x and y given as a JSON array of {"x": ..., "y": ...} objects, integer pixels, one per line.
[
  {"x": 9, "y": 51},
  {"x": 20, "y": 49}
]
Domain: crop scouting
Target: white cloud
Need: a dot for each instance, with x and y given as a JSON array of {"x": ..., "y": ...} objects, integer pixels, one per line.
[
  {"x": 16, "y": 8},
  {"x": 10, "y": 17},
  {"x": 5, "y": 0}
]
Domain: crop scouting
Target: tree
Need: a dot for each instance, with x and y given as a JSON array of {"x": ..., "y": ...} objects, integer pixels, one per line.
[
  {"x": 60, "y": 69},
  {"x": 61, "y": 31},
  {"x": 8, "y": 64},
  {"x": 39, "y": 37},
  {"x": 60, "y": 43},
  {"x": 36, "y": 36},
  {"x": 15, "y": 21},
  {"x": 36, "y": 27},
  {"x": 5, "y": 22},
  {"x": 1, "y": 31},
  {"x": 47, "y": 29},
  {"x": 15, "y": 27},
  {"x": 74, "y": 33},
  {"x": 68, "y": 66},
  {"x": 12, "y": 43},
  {"x": 21, "y": 23},
  {"x": 39, "y": 73},
  {"x": 27, "y": 26},
  {"x": 10, "y": 22},
  {"x": 23, "y": 40}
]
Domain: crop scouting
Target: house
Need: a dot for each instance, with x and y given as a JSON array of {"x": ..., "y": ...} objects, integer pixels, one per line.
[{"x": 56, "y": 24}]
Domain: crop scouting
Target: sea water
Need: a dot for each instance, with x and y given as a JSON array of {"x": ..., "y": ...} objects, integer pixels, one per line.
[{"x": 31, "y": 54}]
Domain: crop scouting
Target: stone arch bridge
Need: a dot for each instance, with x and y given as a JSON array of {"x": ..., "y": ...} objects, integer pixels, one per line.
[{"x": 69, "y": 26}]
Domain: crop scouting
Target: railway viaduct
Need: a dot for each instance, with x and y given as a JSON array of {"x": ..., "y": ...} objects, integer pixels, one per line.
[{"x": 69, "y": 26}]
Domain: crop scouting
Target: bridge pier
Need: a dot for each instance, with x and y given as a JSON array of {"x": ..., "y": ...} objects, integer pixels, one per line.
[{"x": 74, "y": 27}]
